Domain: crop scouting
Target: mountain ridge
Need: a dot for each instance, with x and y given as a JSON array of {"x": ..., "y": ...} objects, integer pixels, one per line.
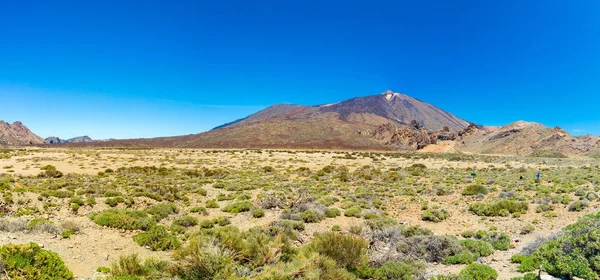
[
  {"x": 16, "y": 134},
  {"x": 388, "y": 121}
]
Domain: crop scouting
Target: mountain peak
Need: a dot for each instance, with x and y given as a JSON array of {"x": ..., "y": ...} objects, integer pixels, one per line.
[
  {"x": 17, "y": 134},
  {"x": 390, "y": 95}
]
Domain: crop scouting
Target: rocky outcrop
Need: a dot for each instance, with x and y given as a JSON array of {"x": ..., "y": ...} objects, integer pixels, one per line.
[{"x": 17, "y": 134}]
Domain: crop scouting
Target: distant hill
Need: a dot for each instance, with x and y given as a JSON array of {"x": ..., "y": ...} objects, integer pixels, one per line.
[
  {"x": 55, "y": 140},
  {"x": 529, "y": 139},
  {"x": 17, "y": 134}
]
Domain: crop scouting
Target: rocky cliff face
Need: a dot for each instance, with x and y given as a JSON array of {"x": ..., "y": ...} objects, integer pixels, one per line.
[{"x": 17, "y": 134}]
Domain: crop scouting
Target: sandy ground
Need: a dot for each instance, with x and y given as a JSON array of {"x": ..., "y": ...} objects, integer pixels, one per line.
[{"x": 96, "y": 247}]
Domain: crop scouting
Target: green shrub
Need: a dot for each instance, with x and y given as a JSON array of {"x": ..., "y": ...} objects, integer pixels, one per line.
[
  {"x": 67, "y": 233},
  {"x": 336, "y": 228},
  {"x": 310, "y": 216},
  {"x": 130, "y": 267},
  {"x": 30, "y": 261},
  {"x": 578, "y": 206},
  {"x": 258, "y": 213},
  {"x": 160, "y": 211},
  {"x": 50, "y": 171},
  {"x": 158, "y": 238},
  {"x": 238, "y": 206},
  {"x": 207, "y": 224},
  {"x": 477, "y": 272},
  {"x": 223, "y": 221},
  {"x": 332, "y": 212},
  {"x": 394, "y": 270},
  {"x": 199, "y": 209},
  {"x": 123, "y": 219},
  {"x": 212, "y": 204},
  {"x": 468, "y": 234},
  {"x": 380, "y": 223},
  {"x": 479, "y": 248},
  {"x": 77, "y": 200},
  {"x": 354, "y": 211},
  {"x": 205, "y": 259},
  {"x": 461, "y": 258},
  {"x": 574, "y": 253},
  {"x": 475, "y": 190},
  {"x": 503, "y": 207},
  {"x": 410, "y": 231},
  {"x": 103, "y": 269},
  {"x": 38, "y": 223},
  {"x": 186, "y": 221},
  {"x": 498, "y": 240},
  {"x": 346, "y": 250},
  {"x": 435, "y": 215},
  {"x": 114, "y": 201}
]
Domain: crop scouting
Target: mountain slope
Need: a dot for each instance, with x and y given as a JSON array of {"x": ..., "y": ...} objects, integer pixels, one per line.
[
  {"x": 373, "y": 110},
  {"x": 528, "y": 139},
  {"x": 330, "y": 126},
  {"x": 17, "y": 134}
]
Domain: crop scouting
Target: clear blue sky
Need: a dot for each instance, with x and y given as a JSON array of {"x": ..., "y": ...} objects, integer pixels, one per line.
[{"x": 125, "y": 69}]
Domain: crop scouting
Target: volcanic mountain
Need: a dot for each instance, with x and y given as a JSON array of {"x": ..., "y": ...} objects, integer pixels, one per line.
[
  {"x": 387, "y": 121},
  {"x": 17, "y": 134},
  {"x": 345, "y": 125},
  {"x": 397, "y": 108}
]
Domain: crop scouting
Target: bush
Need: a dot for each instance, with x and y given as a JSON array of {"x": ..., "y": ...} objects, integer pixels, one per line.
[
  {"x": 123, "y": 219},
  {"x": 258, "y": 213},
  {"x": 30, "y": 261},
  {"x": 346, "y": 250},
  {"x": 503, "y": 207},
  {"x": 207, "y": 224},
  {"x": 410, "y": 231},
  {"x": 436, "y": 248},
  {"x": 223, "y": 221},
  {"x": 380, "y": 223},
  {"x": 461, "y": 258},
  {"x": 43, "y": 225},
  {"x": 310, "y": 216},
  {"x": 332, "y": 212},
  {"x": 527, "y": 229},
  {"x": 114, "y": 201},
  {"x": 354, "y": 211},
  {"x": 572, "y": 253},
  {"x": 205, "y": 259},
  {"x": 160, "y": 211},
  {"x": 479, "y": 248},
  {"x": 127, "y": 266},
  {"x": 399, "y": 270},
  {"x": 186, "y": 221},
  {"x": 212, "y": 204},
  {"x": 158, "y": 238},
  {"x": 199, "y": 209},
  {"x": 435, "y": 215},
  {"x": 578, "y": 206},
  {"x": 498, "y": 240},
  {"x": 238, "y": 206},
  {"x": 478, "y": 272},
  {"x": 475, "y": 190},
  {"x": 50, "y": 171}
]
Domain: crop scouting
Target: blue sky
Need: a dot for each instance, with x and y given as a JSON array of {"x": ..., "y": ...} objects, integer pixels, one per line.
[{"x": 127, "y": 69}]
